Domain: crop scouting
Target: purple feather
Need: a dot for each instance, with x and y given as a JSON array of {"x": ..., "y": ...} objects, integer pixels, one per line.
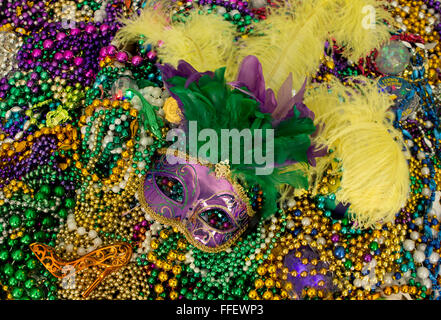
[{"x": 184, "y": 70}]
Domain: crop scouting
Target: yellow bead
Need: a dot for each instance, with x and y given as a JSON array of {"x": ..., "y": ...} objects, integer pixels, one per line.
[
  {"x": 159, "y": 289},
  {"x": 154, "y": 244},
  {"x": 162, "y": 276},
  {"x": 269, "y": 283},
  {"x": 258, "y": 283},
  {"x": 253, "y": 294},
  {"x": 272, "y": 268},
  {"x": 177, "y": 269},
  {"x": 311, "y": 292},
  {"x": 267, "y": 295},
  {"x": 173, "y": 282},
  {"x": 261, "y": 270},
  {"x": 173, "y": 295}
]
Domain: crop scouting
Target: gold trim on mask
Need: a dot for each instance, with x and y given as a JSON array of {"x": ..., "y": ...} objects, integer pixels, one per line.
[{"x": 178, "y": 224}]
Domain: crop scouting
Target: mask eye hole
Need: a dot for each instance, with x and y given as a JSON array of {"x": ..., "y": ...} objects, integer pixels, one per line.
[
  {"x": 170, "y": 187},
  {"x": 217, "y": 219}
]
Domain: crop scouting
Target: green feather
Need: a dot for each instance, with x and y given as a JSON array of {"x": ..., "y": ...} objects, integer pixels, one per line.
[
  {"x": 215, "y": 105},
  {"x": 269, "y": 184}
]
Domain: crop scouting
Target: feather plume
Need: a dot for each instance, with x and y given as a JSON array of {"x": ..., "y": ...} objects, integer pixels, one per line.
[
  {"x": 292, "y": 38},
  {"x": 152, "y": 21},
  {"x": 203, "y": 40},
  {"x": 358, "y": 126}
]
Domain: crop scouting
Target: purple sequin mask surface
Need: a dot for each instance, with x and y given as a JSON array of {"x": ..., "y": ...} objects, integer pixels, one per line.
[{"x": 209, "y": 210}]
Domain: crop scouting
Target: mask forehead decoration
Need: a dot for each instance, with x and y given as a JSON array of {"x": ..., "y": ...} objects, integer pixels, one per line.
[{"x": 208, "y": 207}]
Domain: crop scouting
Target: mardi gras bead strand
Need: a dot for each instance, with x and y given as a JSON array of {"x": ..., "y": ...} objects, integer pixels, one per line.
[
  {"x": 207, "y": 275},
  {"x": 28, "y": 217}
]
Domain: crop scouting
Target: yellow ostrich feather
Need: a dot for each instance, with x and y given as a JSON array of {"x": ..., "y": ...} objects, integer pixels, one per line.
[
  {"x": 358, "y": 127},
  {"x": 203, "y": 40},
  {"x": 292, "y": 38},
  {"x": 152, "y": 20}
]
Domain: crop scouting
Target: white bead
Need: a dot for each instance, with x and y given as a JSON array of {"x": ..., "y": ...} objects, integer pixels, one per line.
[
  {"x": 92, "y": 234},
  {"x": 116, "y": 189},
  {"x": 388, "y": 279},
  {"x": 426, "y": 192},
  {"x": 321, "y": 241},
  {"x": 141, "y": 165},
  {"x": 421, "y": 155},
  {"x": 427, "y": 283},
  {"x": 122, "y": 184},
  {"x": 418, "y": 221},
  {"x": 143, "y": 141},
  {"x": 18, "y": 135},
  {"x": 71, "y": 226},
  {"x": 290, "y": 224},
  {"x": 409, "y": 143},
  {"x": 149, "y": 141},
  {"x": 81, "y": 231},
  {"x": 117, "y": 121},
  {"x": 234, "y": 12},
  {"x": 69, "y": 247},
  {"x": 422, "y": 272},
  {"x": 107, "y": 139},
  {"x": 409, "y": 245},
  {"x": 15, "y": 109},
  {"x": 306, "y": 221},
  {"x": 419, "y": 256},
  {"x": 425, "y": 171},
  {"x": 81, "y": 251},
  {"x": 156, "y": 91},
  {"x": 357, "y": 282},
  {"x": 291, "y": 203},
  {"x": 365, "y": 281},
  {"x": 97, "y": 242},
  {"x": 434, "y": 257},
  {"x": 117, "y": 150},
  {"x": 414, "y": 235}
]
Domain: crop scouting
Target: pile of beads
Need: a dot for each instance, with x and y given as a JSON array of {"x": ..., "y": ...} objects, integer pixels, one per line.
[{"x": 75, "y": 144}]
